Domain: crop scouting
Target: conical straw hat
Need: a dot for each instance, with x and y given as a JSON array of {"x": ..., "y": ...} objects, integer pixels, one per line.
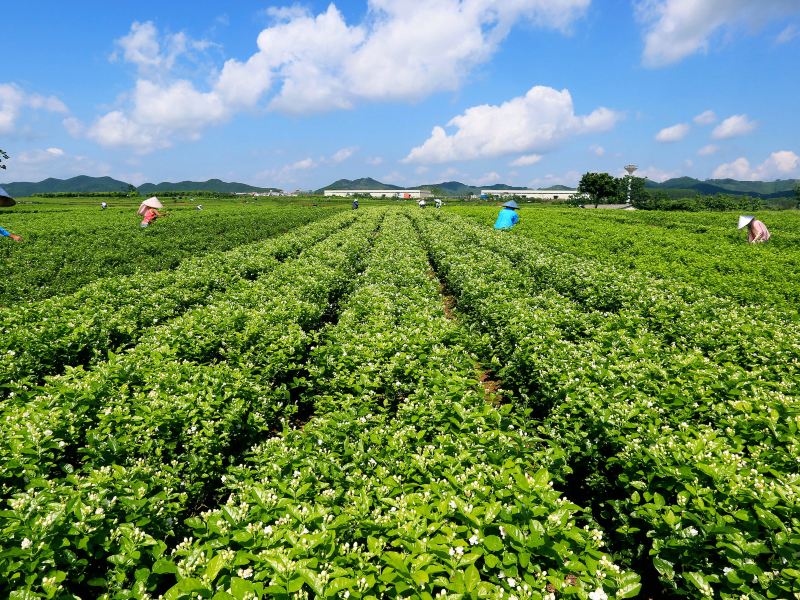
[
  {"x": 744, "y": 221},
  {"x": 5, "y": 199},
  {"x": 151, "y": 202}
]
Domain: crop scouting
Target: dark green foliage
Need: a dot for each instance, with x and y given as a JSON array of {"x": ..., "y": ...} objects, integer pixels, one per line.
[{"x": 599, "y": 187}]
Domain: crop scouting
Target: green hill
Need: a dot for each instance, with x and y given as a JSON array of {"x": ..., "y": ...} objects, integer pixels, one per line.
[
  {"x": 688, "y": 186},
  {"x": 364, "y": 183},
  {"x": 212, "y": 185},
  {"x": 79, "y": 184}
]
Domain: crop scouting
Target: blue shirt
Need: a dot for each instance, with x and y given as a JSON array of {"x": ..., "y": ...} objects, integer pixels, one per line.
[
  {"x": 507, "y": 218},
  {"x": 4, "y": 233}
]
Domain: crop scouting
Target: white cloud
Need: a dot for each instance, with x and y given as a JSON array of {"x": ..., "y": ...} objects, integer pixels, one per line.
[
  {"x": 342, "y": 155},
  {"x": 526, "y": 160},
  {"x": 673, "y": 134},
  {"x": 534, "y": 123},
  {"x": 487, "y": 179},
  {"x": 11, "y": 102},
  {"x": 73, "y": 126},
  {"x": 597, "y": 150},
  {"x": 706, "y": 118},
  {"x": 570, "y": 178},
  {"x": 375, "y": 160},
  {"x": 656, "y": 174},
  {"x": 781, "y": 164},
  {"x": 401, "y": 51},
  {"x": 787, "y": 35},
  {"x": 154, "y": 54},
  {"x": 675, "y": 29},
  {"x": 734, "y": 126},
  {"x": 38, "y": 164},
  {"x": 14, "y": 100},
  {"x": 708, "y": 150}
]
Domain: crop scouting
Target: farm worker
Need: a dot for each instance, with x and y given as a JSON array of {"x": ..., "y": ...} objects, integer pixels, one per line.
[
  {"x": 199, "y": 207},
  {"x": 149, "y": 210},
  {"x": 757, "y": 232},
  {"x": 4, "y": 233},
  {"x": 355, "y": 204},
  {"x": 437, "y": 202},
  {"x": 508, "y": 216},
  {"x": 104, "y": 205},
  {"x": 150, "y": 215},
  {"x": 422, "y": 202}
]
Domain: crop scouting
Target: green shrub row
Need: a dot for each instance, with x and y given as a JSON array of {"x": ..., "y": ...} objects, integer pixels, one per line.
[
  {"x": 105, "y": 464},
  {"x": 64, "y": 251},
  {"x": 112, "y": 313},
  {"x": 681, "y": 440},
  {"x": 405, "y": 483}
]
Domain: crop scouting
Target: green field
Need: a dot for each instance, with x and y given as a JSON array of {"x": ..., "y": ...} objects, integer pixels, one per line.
[{"x": 271, "y": 400}]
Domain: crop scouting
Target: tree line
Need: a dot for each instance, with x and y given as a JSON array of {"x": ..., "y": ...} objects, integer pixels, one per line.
[{"x": 602, "y": 187}]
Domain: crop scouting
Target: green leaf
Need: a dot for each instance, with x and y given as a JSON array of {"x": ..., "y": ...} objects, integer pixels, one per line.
[
  {"x": 699, "y": 581},
  {"x": 471, "y": 578},
  {"x": 163, "y": 566},
  {"x": 664, "y": 567},
  {"x": 493, "y": 543},
  {"x": 214, "y": 567},
  {"x": 184, "y": 587}
]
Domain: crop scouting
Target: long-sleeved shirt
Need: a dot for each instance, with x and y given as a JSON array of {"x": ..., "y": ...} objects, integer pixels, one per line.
[
  {"x": 758, "y": 232},
  {"x": 507, "y": 218},
  {"x": 4, "y": 233}
]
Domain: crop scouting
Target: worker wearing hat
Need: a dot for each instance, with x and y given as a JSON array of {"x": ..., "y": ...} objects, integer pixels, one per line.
[
  {"x": 4, "y": 233},
  {"x": 757, "y": 232},
  {"x": 508, "y": 216}
]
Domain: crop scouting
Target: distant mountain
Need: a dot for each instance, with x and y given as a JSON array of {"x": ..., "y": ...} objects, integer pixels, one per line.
[
  {"x": 450, "y": 188},
  {"x": 557, "y": 188},
  {"x": 689, "y": 186},
  {"x": 365, "y": 183},
  {"x": 212, "y": 185},
  {"x": 81, "y": 183},
  {"x": 445, "y": 188}
]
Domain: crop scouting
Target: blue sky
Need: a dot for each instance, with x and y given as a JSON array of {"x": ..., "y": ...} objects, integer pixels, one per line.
[{"x": 524, "y": 92}]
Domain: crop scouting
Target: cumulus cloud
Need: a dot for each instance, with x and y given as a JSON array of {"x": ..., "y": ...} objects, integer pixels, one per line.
[
  {"x": 401, "y": 51},
  {"x": 708, "y": 150},
  {"x": 734, "y": 126},
  {"x": 526, "y": 160},
  {"x": 533, "y": 123},
  {"x": 675, "y": 29},
  {"x": 657, "y": 174},
  {"x": 708, "y": 117},
  {"x": 375, "y": 160},
  {"x": 38, "y": 164},
  {"x": 342, "y": 155},
  {"x": 597, "y": 150},
  {"x": 787, "y": 35},
  {"x": 488, "y": 178},
  {"x": 673, "y": 134},
  {"x": 14, "y": 101},
  {"x": 781, "y": 164}
]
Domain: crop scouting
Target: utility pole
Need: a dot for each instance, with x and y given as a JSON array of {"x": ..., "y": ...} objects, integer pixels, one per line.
[{"x": 631, "y": 169}]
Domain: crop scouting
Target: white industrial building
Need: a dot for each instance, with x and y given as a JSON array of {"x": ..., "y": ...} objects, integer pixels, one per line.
[
  {"x": 404, "y": 194},
  {"x": 538, "y": 194}
]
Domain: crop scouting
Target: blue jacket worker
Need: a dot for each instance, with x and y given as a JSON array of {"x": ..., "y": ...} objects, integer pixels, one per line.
[
  {"x": 8, "y": 234},
  {"x": 508, "y": 216},
  {"x": 355, "y": 204}
]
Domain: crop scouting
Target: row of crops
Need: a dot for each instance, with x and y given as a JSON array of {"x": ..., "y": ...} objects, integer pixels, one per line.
[
  {"x": 304, "y": 416},
  {"x": 65, "y": 250},
  {"x": 680, "y": 248}
]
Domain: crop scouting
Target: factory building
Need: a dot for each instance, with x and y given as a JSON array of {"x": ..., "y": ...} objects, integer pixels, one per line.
[
  {"x": 537, "y": 194},
  {"x": 402, "y": 194}
]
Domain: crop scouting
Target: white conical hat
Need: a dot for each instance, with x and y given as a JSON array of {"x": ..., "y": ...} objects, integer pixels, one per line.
[
  {"x": 151, "y": 202},
  {"x": 744, "y": 221}
]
